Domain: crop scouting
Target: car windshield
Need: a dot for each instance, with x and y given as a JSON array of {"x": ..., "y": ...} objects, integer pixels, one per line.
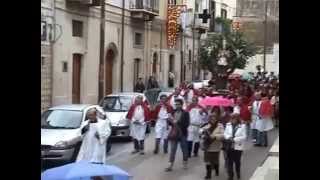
[
  {"x": 61, "y": 119},
  {"x": 116, "y": 103}
]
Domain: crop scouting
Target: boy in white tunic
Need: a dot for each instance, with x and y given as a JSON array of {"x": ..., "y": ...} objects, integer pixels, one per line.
[
  {"x": 138, "y": 115},
  {"x": 163, "y": 112},
  {"x": 197, "y": 119}
]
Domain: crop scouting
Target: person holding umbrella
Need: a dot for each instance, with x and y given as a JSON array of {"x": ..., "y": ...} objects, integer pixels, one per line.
[{"x": 212, "y": 135}]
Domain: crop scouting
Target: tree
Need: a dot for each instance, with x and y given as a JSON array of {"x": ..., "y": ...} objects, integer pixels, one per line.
[{"x": 238, "y": 49}]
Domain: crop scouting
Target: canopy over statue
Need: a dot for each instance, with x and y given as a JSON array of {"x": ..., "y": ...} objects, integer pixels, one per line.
[{"x": 152, "y": 95}]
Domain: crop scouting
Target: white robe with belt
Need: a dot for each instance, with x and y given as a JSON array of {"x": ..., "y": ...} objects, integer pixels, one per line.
[
  {"x": 196, "y": 120},
  {"x": 254, "y": 114},
  {"x": 161, "y": 127},
  {"x": 93, "y": 149},
  {"x": 138, "y": 126}
]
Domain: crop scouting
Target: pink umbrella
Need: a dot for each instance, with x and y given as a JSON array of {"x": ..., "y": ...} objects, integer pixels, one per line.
[{"x": 216, "y": 101}]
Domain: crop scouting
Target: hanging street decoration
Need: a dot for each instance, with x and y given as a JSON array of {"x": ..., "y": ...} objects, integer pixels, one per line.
[
  {"x": 173, "y": 14},
  {"x": 236, "y": 25}
]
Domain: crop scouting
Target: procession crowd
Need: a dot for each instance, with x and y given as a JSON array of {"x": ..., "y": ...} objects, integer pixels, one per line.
[
  {"x": 201, "y": 118},
  {"x": 215, "y": 121}
]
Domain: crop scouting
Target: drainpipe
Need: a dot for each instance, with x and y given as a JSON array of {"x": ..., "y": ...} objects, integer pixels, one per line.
[
  {"x": 101, "y": 59},
  {"x": 122, "y": 45}
]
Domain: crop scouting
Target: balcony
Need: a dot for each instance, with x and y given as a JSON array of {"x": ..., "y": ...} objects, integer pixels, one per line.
[
  {"x": 85, "y": 2},
  {"x": 144, "y": 9},
  {"x": 201, "y": 27}
]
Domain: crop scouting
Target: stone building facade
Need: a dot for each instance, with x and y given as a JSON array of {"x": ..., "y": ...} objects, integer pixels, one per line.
[{"x": 46, "y": 53}]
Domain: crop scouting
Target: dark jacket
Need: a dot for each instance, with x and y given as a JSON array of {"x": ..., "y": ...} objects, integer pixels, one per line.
[
  {"x": 139, "y": 88},
  {"x": 183, "y": 123},
  {"x": 152, "y": 84}
]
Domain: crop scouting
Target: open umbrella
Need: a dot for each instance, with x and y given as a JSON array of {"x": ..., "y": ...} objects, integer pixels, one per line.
[
  {"x": 83, "y": 170},
  {"x": 246, "y": 76},
  {"x": 234, "y": 76},
  {"x": 216, "y": 101}
]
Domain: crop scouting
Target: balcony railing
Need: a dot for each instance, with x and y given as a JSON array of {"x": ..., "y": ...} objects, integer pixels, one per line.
[
  {"x": 147, "y": 5},
  {"x": 86, "y": 2}
]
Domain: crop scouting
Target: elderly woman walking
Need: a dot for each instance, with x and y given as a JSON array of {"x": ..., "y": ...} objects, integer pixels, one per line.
[{"x": 212, "y": 135}]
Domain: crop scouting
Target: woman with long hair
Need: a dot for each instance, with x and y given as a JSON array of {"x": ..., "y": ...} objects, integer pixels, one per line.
[{"x": 212, "y": 135}]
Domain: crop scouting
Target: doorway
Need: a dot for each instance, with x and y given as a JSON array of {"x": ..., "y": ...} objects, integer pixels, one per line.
[
  {"x": 171, "y": 63},
  {"x": 136, "y": 70},
  {"x": 109, "y": 71},
  {"x": 154, "y": 64},
  {"x": 76, "y": 78},
  {"x": 171, "y": 70}
]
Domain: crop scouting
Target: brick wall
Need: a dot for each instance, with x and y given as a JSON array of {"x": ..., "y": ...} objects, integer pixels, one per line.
[{"x": 46, "y": 89}]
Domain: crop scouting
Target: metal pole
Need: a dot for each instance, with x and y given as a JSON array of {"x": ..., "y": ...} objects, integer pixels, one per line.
[
  {"x": 265, "y": 36},
  {"x": 101, "y": 59},
  {"x": 122, "y": 45},
  {"x": 182, "y": 62},
  {"x": 193, "y": 39}
]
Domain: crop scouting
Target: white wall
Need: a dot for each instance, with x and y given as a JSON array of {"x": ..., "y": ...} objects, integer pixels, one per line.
[
  {"x": 272, "y": 61},
  {"x": 63, "y": 50}
]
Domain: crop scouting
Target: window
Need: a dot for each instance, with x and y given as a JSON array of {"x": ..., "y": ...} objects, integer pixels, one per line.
[
  {"x": 138, "y": 39},
  {"x": 224, "y": 13},
  {"x": 189, "y": 55},
  {"x": 64, "y": 66},
  {"x": 61, "y": 119},
  {"x": 77, "y": 28},
  {"x": 43, "y": 31},
  {"x": 42, "y": 61},
  {"x": 197, "y": 7},
  {"x": 172, "y": 2}
]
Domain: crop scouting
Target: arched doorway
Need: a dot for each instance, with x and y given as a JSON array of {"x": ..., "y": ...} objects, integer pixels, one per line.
[
  {"x": 111, "y": 55},
  {"x": 109, "y": 71},
  {"x": 154, "y": 64}
]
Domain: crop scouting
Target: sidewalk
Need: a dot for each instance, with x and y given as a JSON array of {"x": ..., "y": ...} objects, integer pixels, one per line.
[{"x": 269, "y": 170}]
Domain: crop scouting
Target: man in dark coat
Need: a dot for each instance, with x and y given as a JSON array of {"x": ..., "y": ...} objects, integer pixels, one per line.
[
  {"x": 139, "y": 87},
  {"x": 178, "y": 134}
]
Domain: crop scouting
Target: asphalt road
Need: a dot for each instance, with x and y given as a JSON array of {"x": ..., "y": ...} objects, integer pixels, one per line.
[{"x": 151, "y": 167}]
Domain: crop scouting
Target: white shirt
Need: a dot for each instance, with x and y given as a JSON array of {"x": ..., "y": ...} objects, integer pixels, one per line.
[
  {"x": 138, "y": 114},
  {"x": 163, "y": 114}
]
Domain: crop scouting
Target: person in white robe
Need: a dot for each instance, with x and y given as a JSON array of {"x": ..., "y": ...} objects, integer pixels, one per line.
[
  {"x": 94, "y": 139},
  {"x": 264, "y": 123},
  {"x": 197, "y": 119},
  {"x": 255, "y": 116},
  {"x": 163, "y": 112},
  {"x": 176, "y": 95},
  {"x": 138, "y": 115}
]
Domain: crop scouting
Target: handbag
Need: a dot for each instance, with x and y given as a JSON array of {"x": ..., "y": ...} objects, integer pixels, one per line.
[
  {"x": 227, "y": 143},
  {"x": 174, "y": 133},
  {"x": 205, "y": 141}
]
